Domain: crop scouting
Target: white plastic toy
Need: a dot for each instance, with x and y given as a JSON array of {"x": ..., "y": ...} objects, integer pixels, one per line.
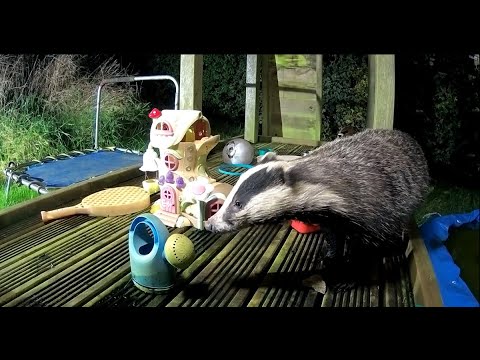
[{"x": 180, "y": 141}]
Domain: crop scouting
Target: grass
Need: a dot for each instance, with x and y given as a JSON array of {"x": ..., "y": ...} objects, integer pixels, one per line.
[
  {"x": 17, "y": 194},
  {"x": 445, "y": 198}
]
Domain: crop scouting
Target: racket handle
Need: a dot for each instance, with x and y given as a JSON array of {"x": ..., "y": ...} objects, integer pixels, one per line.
[{"x": 62, "y": 212}]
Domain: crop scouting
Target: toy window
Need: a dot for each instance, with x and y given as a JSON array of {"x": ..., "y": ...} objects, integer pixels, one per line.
[
  {"x": 213, "y": 206},
  {"x": 201, "y": 129},
  {"x": 164, "y": 127},
  {"x": 171, "y": 162}
]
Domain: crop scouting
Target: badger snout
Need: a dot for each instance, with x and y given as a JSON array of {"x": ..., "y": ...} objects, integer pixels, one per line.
[
  {"x": 215, "y": 227},
  {"x": 208, "y": 226},
  {"x": 212, "y": 225},
  {"x": 216, "y": 224}
]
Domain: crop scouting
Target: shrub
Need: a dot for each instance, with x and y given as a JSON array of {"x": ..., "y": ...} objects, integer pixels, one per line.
[
  {"x": 345, "y": 93},
  {"x": 223, "y": 85}
]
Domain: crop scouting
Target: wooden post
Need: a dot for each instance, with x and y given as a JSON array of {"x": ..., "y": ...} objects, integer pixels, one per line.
[
  {"x": 266, "y": 113},
  {"x": 319, "y": 89},
  {"x": 191, "y": 82},
  {"x": 426, "y": 290},
  {"x": 381, "y": 91},
  {"x": 252, "y": 98}
]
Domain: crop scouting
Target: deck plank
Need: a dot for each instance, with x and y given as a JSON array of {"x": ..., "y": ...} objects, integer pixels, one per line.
[{"x": 84, "y": 261}]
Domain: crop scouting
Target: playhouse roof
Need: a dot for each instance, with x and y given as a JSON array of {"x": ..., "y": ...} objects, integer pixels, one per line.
[{"x": 179, "y": 120}]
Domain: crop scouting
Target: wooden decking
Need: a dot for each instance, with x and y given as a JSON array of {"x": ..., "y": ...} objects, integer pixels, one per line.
[{"x": 84, "y": 261}]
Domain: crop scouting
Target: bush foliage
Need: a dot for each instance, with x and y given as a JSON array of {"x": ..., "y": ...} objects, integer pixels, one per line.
[
  {"x": 223, "y": 84},
  {"x": 345, "y": 93}
]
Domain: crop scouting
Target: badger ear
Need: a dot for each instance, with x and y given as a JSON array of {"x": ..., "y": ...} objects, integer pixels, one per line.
[
  {"x": 269, "y": 156},
  {"x": 290, "y": 176},
  {"x": 274, "y": 175}
]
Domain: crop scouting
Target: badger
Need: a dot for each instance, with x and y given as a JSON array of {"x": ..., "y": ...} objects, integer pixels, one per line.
[{"x": 365, "y": 187}]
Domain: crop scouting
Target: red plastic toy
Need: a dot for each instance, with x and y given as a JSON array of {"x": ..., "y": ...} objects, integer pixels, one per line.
[
  {"x": 304, "y": 228},
  {"x": 155, "y": 114}
]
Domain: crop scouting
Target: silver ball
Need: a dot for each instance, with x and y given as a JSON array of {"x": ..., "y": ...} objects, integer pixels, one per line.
[{"x": 238, "y": 151}]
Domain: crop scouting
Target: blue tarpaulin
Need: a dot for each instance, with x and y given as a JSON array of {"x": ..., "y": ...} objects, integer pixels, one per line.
[
  {"x": 435, "y": 232},
  {"x": 62, "y": 173}
]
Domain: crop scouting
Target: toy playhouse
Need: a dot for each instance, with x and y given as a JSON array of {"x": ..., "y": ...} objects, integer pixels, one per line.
[{"x": 180, "y": 141}]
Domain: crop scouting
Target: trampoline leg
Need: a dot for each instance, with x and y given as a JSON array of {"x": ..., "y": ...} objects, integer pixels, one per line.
[{"x": 7, "y": 188}]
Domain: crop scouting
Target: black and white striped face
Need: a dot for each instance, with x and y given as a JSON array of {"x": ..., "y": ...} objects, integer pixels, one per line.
[
  {"x": 275, "y": 191},
  {"x": 258, "y": 196}
]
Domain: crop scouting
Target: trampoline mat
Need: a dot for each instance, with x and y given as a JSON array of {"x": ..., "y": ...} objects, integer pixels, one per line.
[{"x": 62, "y": 173}]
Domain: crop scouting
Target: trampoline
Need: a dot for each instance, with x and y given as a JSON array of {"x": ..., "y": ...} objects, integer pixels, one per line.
[
  {"x": 67, "y": 169},
  {"x": 54, "y": 172}
]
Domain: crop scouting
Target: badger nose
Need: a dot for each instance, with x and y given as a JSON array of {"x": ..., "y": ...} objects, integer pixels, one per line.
[{"x": 207, "y": 225}]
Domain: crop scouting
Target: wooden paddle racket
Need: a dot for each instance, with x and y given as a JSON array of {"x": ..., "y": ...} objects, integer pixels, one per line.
[{"x": 115, "y": 201}]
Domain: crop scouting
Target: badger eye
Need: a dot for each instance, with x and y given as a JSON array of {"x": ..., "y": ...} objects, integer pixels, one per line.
[{"x": 238, "y": 204}]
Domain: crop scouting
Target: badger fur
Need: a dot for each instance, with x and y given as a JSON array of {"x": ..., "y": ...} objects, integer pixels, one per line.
[{"x": 368, "y": 185}]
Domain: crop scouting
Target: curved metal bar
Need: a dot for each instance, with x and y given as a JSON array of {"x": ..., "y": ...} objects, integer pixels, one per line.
[{"x": 123, "y": 80}]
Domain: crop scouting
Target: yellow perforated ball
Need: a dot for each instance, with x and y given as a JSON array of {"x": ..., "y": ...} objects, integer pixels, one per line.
[{"x": 179, "y": 251}]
